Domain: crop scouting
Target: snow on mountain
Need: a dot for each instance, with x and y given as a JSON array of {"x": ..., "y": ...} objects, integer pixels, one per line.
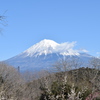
[
  {"x": 43, "y": 47},
  {"x": 49, "y": 46}
]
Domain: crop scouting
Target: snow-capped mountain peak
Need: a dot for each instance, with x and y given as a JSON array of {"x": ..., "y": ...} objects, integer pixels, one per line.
[
  {"x": 49, "y": 46},
  {"x": 43, "y": 47}
]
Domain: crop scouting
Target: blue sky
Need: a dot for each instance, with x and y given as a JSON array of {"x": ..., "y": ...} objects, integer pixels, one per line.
[{"x": 30, "y": 21}]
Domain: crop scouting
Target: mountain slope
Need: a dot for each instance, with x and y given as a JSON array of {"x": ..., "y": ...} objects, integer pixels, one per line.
[{"x": 44, "y": 54}]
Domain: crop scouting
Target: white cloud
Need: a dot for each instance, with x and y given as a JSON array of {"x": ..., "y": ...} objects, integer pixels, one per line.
[
  {"x": 69, "y": 47},
  {"x": 66, "y": 46}
]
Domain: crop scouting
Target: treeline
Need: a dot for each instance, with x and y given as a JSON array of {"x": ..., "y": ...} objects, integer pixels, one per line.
[
  {"x": 77, "y": 84},
  {"x": 64, "y": 84}
]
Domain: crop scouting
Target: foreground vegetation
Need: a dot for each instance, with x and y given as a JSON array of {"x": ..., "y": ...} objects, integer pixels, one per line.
[{"x": 65, "y": 84}]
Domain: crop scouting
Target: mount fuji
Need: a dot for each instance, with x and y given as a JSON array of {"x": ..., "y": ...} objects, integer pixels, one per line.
[{"x": 44, "y": 54}]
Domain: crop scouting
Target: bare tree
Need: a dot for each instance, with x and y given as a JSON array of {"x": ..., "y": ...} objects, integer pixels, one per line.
[
  {"x": 11, "y": 82},
  {"x": 95, "y": 75}
]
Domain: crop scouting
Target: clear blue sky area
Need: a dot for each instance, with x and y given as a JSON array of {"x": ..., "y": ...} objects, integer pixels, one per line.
[{"x": 30, "y": 21}]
